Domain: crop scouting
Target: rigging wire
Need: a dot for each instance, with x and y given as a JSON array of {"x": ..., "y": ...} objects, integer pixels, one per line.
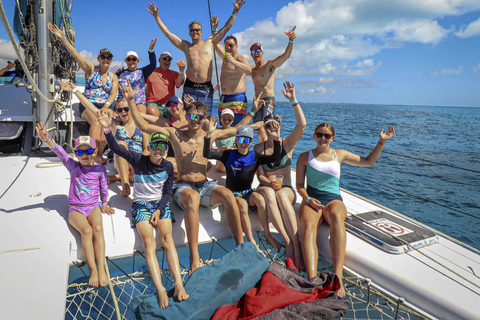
[
  {"x": 413, "y": 158},
  {"x": 214, "y": 51},
  {"x": 412, "y": 195}
]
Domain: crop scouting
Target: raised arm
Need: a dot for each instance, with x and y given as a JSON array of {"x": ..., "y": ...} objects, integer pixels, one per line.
[
  {"x": 218, "y": 47},
  {"x": 278, "y": 61},
  {"x": 217, "y": 38},
  {"x": 181, "y": 75},
  {"x": 173, "y": 38},
  {"x": 297, "y": 133},
  {"x": 70, "y": 87},
  {"x": 356, "y": 160},
  {"x": 84, "y": 64},
  {"x": 152, "y": 58}
]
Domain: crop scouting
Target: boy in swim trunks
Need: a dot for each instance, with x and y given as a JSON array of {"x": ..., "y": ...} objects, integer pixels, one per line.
[
  {"x": 150, "y": 208},
  {"x": 241, "y": 165},
  {"x": 88, "y": 181}
]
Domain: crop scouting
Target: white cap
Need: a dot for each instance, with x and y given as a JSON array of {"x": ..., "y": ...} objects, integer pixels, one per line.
[
  {"x": 227, "y": 111},
  {"x": 131, "y": 53}
]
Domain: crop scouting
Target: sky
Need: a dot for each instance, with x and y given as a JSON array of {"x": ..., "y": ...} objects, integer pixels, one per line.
[{"x": 399, "y": 52}]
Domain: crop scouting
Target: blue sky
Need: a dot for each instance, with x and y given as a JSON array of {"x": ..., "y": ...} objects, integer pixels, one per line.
[{"x": 405, "y": 52}]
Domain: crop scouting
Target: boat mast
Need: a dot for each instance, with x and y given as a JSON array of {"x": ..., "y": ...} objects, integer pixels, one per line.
[{"x": 46, "y": 79}]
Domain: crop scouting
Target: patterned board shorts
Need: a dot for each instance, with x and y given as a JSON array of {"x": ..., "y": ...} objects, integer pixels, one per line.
[{"x": 142, "y": 211}]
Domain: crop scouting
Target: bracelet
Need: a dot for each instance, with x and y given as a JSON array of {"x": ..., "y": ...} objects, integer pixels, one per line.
[
  {"x": 216, "y": 30},
  {"x": 291, "y": 41},
  {"x": 234, "y": 15},
  {"x": 181, "y": 72},
  {"x": 381, "y": 143},
  {"x": 294, "y": 101},
  {"x": 308, "y": 199},
  {"x": 107, "y": 104},
  {"x": 151, "y": 50},
  {"x": 251, "y": 114},
  {"x": 107, "y": 130},
  {"x": 49, "y": 140},
  {"x": 74, "y": 90}
]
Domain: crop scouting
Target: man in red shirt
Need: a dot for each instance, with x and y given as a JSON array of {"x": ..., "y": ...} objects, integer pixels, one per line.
[{"x": 161, "y": 86}]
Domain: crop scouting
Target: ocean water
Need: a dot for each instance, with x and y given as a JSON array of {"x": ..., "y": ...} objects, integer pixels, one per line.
[{"x": 441, "y": 196}]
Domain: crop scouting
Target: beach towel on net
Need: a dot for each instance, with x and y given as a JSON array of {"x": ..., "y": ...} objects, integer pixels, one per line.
[{"x": 221, "y": 283}]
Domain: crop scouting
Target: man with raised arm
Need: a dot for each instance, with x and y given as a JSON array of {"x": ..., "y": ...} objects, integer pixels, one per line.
[
  {"x": 193, "y": 189},
  {"x": 199, "y": 54}
]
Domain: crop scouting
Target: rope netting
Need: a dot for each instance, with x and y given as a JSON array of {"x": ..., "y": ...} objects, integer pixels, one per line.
[{"x": 112, "y": 302}]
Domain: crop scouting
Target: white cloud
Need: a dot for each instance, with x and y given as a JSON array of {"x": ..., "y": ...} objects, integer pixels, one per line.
[
  {"x": 363, "y": 68},
  {"x": 417, "y": 31},
  {"x": 448, "y": 71},
  {"x": 315, "y": 83},
  {"x": 358, "y": 83},
  {"x": 476, "y": 69},
  {"x": 318, "y": 91},
  {"x": 473, "y": 29},
  {"x": 7, "y": 53}
]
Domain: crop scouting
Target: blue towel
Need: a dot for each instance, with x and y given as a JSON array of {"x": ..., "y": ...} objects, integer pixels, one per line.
[{"x": 210, "y": 287}]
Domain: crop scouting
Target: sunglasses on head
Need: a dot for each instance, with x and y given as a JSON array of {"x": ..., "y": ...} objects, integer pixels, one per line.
[
  {"x": 173, "y": 104},
  {"x": 196, "y": 116},
  {"x": 229, "y": 45},
  {"x": 256, "y": 50},
  {"x": 104, "y": 57},
  {"x": 120, "y": 110},
  {"x": 88, "y": 152},
  {"x": 227, "y": 119},
  {"x": 245, "y": 140},
  {"x": 167, "y": 59},
  {"x": 131, "y": 59},
  {"x": 158, "y": 146},
  {"x": 197, "y": 30},
  {"x": 323, "y": 135}
]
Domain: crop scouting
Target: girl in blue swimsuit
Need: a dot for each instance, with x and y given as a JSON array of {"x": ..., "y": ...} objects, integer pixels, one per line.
[{"x": 322, "y": 199}]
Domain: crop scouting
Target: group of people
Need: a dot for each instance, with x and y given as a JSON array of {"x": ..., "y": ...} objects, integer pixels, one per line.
[{"x": 157, "y": 137}]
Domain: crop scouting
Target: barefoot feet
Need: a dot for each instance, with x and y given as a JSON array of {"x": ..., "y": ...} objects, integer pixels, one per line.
[
  {"x": 126, "y": 190},
  {"x": 180, "y": 292},
  {"x": 162, "y": 298}
]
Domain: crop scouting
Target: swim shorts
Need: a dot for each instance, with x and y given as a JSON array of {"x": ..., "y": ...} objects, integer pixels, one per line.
[
  {"x": 85, "y": 210},
  {"x": 245, "y": 194},
  {"x": 205, "y": 188},
  {"x": 237, "y": 103},
  {"x": 143, "y": 211},
  {"x": 268, "y": 108},
  {"x": 202, "y": 92},
  {"x": 164, "y": 111}
]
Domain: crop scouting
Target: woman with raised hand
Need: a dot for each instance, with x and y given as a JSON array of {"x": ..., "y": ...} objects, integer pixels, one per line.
[
  {"x": 101, "y": 87},
  {"x": 322, "y": 199},
  {"x": 280, "y": 199}
]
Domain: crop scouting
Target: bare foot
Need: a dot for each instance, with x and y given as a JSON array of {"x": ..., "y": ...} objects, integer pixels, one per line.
[
  {"x": 193, "y": 266},
  {"x": 102, "y": 277},
  {"x": 277, "y": 245},
  {"x": 162, "y": 298},
  {"x": 113, "y": 178},
  {"x": 180, "y": 292},
  {"x": 93, "y": 281},
  {"x": 126, "y": 190},
  {"x": 341, "y": 291}
]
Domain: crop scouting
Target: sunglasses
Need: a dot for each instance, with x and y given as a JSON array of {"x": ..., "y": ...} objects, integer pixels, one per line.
[
  {"x": 106, "y": 57},
  {"x": 323, "y": 135},
  {"x": 229, "y": 45},
  {"x": 245, "y": 140},
  {"x": 172, "y": 105},
  {"x": 158, "y": 146},
  {"x": 227, "y": 119},
  {"x": 88, "y": 152},
  {"x": 131, "y": 59},
  {"x": 167, "y": 59},
  {"x": 197, "y": 30},
  {"x": 120, "y": 110},
  {"x": 196, "y": 116},
  {"x": 256, "y": 50}
]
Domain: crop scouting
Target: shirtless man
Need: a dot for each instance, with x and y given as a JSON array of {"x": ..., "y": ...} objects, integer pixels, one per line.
[
  {"x": 263, "y": 76},
  {"x": 199, "y": 54},
  {"x": 193, "y": 189}
]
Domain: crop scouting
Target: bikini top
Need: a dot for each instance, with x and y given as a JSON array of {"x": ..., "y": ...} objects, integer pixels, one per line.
[{"x": 284, "y": 161}]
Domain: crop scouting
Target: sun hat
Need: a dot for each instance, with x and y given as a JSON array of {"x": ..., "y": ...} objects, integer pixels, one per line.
[
  {"x": 244, "y": 131},
  {"x": 85, "y": 141},
  {"x": 174, "y": 99},
  {"x": 256, "y": 45},
  {"x": 227, "y": 111},
  {"x": 105, "y": 50},
  {"x": 131, "y": 53},
  {"x": 271, "y": 117},
  {"x": 165, "y": 54}
]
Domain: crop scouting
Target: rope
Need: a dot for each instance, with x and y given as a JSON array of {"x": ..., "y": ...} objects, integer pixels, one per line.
[
  {"x": 413, "y": 158},
  {"x": 214, "y": 52},
  {"x": 420, "y": 252},
  {"x": 413, "y": 195},
  {"x": 114, "y": 297}
]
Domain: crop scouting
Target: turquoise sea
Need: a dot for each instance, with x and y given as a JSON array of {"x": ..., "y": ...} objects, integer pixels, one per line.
[{"x": 442, "y": 196}]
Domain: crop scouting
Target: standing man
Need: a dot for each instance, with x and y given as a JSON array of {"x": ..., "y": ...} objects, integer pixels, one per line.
[
  {"x": 161, "y": 86},
  {"x": 263, "y": 75},
  {"x": 199, "y": 54}
]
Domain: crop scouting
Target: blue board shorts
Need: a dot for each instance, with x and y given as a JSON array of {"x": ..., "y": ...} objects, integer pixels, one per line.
[
  {"x": 202, "y": 92},
  {"x": 143, "y": 211},
  {"x": 237, "y": 103},
  {"x": 245, "y": 194},
  {"x": 205, "y": 188}
]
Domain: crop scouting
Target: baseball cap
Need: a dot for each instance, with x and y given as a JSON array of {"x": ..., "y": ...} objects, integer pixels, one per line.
[
  {"x": 270, "y": 118},
  {"x": 105, "y": 50},
  {"x": 158, "y": 137},
  {"x": 174, "y": 99},
  {"x": 131, "y": 53},
  {"x": 227, "y": 111},
  {"x": 256, "y": 45},
  {"x": 85, "y": 140},
  {"x": 244, "y": 131},
  {"x": 165, "y": 54}
]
